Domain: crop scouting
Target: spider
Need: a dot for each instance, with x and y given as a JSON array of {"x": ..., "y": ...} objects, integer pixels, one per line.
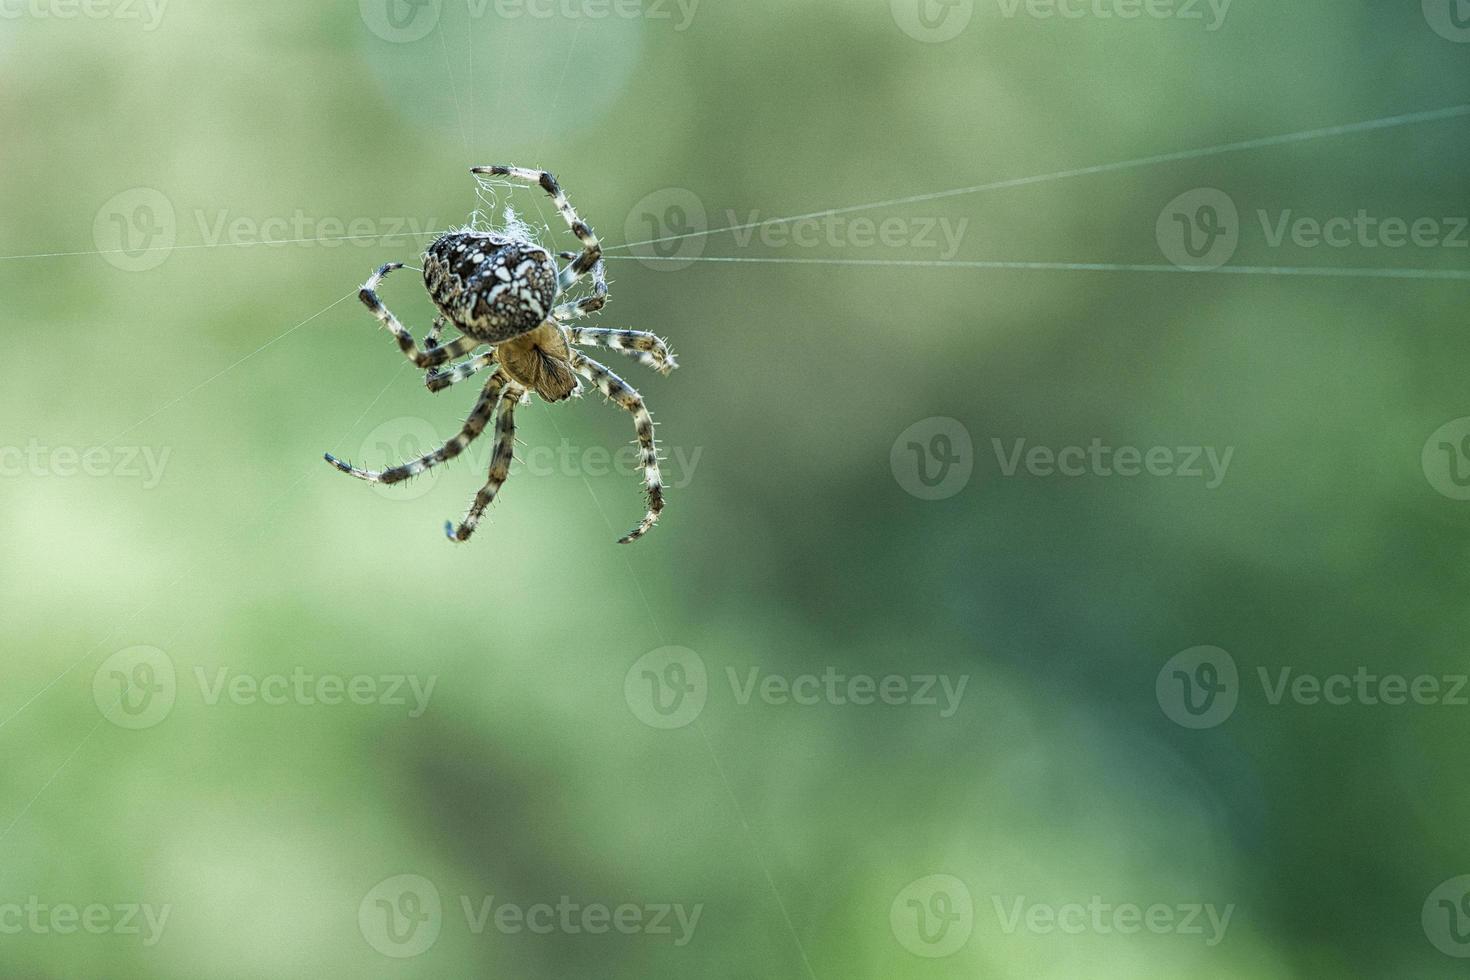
[{"x": 501, "y": 289}]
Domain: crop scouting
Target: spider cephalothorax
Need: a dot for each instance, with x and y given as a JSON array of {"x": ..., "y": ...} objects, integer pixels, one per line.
[{"x": 502, "y": 289}]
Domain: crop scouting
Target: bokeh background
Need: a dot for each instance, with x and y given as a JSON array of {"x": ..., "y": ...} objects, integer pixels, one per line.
[{"x": 192, "y": 191}]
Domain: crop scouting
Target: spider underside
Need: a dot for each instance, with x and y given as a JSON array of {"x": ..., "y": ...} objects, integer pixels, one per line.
[{"x": 501, "y": 290}]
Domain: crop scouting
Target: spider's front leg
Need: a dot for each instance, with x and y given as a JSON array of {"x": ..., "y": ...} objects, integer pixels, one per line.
[
  {"x": 587, "y": 304},
  {"x": 646, "y": 348},
  {"x": 628, "y": 398},
  {"x": 437, "y": 381},
  {"x": 591, "y": 248},
  {"x": 423, "y": 359}
]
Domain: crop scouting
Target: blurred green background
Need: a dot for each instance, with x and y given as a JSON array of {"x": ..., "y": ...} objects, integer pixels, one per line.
[{"x": 184, "y": 582}]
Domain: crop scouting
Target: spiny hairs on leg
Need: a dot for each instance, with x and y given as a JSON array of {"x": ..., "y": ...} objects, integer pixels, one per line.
[
  {"x": 473, "y": 426},
  {"x": 505, "y": 444},
  {"x": 626, "y": 396},
  {"x": 649, "y": 350}
]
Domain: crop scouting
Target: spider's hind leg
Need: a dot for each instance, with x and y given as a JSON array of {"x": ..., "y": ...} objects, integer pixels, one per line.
[
  {"x": 473, "y": 426},
  {"x": 505, "y": 444},
  {"x": 628, "y": 398}
]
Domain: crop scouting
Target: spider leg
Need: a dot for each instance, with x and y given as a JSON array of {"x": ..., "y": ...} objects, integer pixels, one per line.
[
  {"x": 473, "y": 426},
  {"x": 648, "y": 349},
  {"x": 505, "y": 429},
  {"x": 591, "y": 248},
  {"x": 437, "y": 380},
  {"x": 628, "y": 398},
  {"x": 431, "y": 339},
  {"x": 587, "y": 304},
  {"x": 424, "y": 359}
]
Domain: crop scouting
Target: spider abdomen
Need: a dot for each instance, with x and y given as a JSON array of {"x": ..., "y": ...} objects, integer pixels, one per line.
[{"x": 490, "y": 286}]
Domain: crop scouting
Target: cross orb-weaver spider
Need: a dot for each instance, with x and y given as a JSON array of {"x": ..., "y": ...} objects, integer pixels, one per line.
[{"x": 500, "y": 288}]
